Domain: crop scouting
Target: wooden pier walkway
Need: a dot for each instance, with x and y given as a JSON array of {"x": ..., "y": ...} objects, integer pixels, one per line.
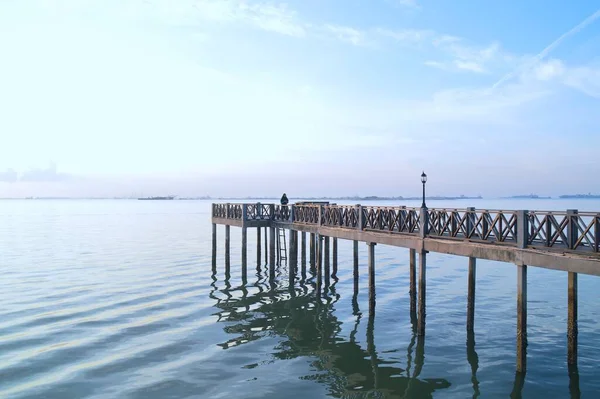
[{"x": 568, "y": 241}]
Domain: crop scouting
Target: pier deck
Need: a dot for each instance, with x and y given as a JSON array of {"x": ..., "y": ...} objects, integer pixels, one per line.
[{"x": 567, "y": 241}]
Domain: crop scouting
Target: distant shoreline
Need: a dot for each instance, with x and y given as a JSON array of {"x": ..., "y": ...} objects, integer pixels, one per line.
[{"x": 343, "y": 198}]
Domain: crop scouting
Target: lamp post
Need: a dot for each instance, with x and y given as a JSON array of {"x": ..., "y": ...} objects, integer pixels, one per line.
[{"x": 423, "y": 180}]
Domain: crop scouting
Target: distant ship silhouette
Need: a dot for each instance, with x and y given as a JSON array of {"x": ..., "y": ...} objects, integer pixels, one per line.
[{"x": 169, "y": 197}]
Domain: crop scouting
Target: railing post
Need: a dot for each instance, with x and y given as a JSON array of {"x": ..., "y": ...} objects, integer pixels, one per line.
[
  {"x": 320, "y": 215},
  {"x": 485, "y": 225},
  {"x": 272, "y": 211},
  {"x": 424, "y": 219},
  {"x": 572, "y": 230},
  {"x": 258, "y": 211},
  {"x": 359, "y": 216},
  {"x": 227, "y": 210},
  {"x": 292, "y": 207},
  {"x": 597, "y": 233},
  {"x": 522, "y": 228},
  {"x": 244, "y": 212},
  {"x": 455, "y": 218},
  {"x": 470, "y": 222}
]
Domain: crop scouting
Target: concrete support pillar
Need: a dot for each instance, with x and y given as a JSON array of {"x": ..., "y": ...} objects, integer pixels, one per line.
[
  {"x": 471, "y": 295},
  {"x": 572, "y": 329},
  {"x": 244, "y": 253},
  {"x": 412, "y": 271},
  {"x": 355, "y": 268},
  {"x": 421, "y": 293},
  {"x": 258, "y": 247},
  {"x": 371, "y": 276},
  {"x": 521, "y": 318},
  {"x": 214, "y": 246},
  {"x": 272, "y": 252},
  {"x": 227, "y": 248},
  {"x": 335, "y": 257}
]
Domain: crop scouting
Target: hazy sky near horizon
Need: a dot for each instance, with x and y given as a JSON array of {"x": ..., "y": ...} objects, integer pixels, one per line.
[{"x": 311, "y": 97}]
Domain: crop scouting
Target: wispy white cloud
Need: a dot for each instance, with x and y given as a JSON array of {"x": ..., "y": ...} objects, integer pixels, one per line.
[
  {"x": 549, "y": 70},
  {"x": 531, "y": 62},
  {"x": 436, "y": 64},
  {"x": 585, "y": 79},
  {"x": 266, "y": 16},
  {"x": 465, "y": 57},
  {"x": 404, "y": 3},
  {"x": 406, "y": 35},
  {"x": 472, "y": 66},
  {"x": 347, "y": 34}
]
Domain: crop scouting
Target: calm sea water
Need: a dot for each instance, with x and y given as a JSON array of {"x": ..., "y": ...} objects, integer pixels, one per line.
[{"x": 117, "y": 299}]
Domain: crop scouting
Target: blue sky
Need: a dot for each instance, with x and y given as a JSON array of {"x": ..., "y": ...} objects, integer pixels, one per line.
[{"x": 315, "y": 97}]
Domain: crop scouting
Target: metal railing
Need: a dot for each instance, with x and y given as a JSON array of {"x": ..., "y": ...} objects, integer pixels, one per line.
[{"x": 482, "y": 225}]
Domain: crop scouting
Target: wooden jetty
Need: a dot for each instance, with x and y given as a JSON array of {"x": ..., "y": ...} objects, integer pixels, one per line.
[{"x": 568, "y": 241}]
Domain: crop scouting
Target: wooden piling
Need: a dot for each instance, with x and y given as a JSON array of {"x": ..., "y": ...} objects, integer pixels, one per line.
[
  {"x": 318, "y": 265},
  {"x": 294, "y": 249},
  {"x": 227, "y": 248},
  {"x": 572, "y": 328},
  {"x": 266, "y": 249},
  {"x": 355, "y": 267},
  {"x": 214, "y": 246},
  {"x": 326, "y": 257},
  {"x": 320, "y": 253},
  {"x": 244, "y": 245},
  {"x": 521, "y": 318},
  {"x": 258, "y": 247},
  {"x": 412, "y": 271},
  {"x": 303, "y": 252},
  {"x": 296, "y": 236},
  {"x": 244, "y": 253},
  {"x": 335, "y": 257},
  {"x": 421, "y": 293},
  {"x": 471, "y": 294},
  {"x": 277, "y": 249},
  {"x": 272, "y": 252},
  {"x": 292, "y": 265},
  {"x": 371, "y": 276},
  {"x": 313, "y": 259}
]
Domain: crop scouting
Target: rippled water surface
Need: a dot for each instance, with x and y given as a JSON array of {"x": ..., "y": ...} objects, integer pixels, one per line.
[{"x": 117, "y": 299}]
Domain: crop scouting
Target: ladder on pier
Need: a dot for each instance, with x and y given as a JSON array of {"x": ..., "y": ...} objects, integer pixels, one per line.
[{"x": 281, "y": 246}]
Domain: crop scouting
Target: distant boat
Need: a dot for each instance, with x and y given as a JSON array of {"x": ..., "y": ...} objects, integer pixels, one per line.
[
  {"x": 528, "y": 196},
  {"x": 170, "y": 197},
  {"x": 579, "y": 196}
]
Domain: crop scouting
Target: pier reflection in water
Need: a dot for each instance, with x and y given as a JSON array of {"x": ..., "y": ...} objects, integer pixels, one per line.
[
  {"x": 305, "y": 320},
  {"x": 298, "y": 307}
]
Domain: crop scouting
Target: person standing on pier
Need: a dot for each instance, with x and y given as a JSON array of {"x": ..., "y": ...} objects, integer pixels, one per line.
[{"x": 284, "y": 208}]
